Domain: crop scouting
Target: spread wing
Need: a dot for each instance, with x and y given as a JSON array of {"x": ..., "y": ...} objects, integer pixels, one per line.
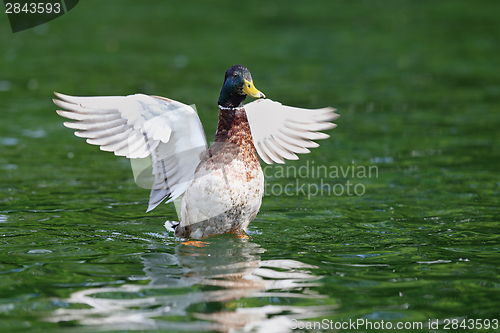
[
  {"x": 138, "y": 126},
  {"x": 280, "y": 131}
]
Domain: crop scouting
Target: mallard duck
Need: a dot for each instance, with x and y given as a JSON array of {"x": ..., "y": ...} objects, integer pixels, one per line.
[{"x": 220, "y": 187}]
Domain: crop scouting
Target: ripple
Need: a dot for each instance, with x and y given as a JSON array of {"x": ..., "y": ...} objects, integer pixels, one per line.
[
  {"x": 9, "y": 141},
  {"x": 5, "y": 85},
  {"x": 10, "y": 167},
  {"x": 35, "y": 134},
  {"x": 39, "y": 251},
  {"x": 183, "y": 283}
]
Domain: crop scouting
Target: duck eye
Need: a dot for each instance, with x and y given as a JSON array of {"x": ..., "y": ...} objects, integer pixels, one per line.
[
  {"x": 235, "y": 74},
  {"x": 248, "y": 86}
]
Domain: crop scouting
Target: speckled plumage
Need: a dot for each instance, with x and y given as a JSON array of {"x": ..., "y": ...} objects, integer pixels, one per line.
[{"x": 227, "y": 191}]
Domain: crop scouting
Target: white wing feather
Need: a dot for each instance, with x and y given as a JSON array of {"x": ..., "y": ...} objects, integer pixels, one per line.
[
  {"x": 279, "y": 131},
  {"x": 138, "y": 126}
]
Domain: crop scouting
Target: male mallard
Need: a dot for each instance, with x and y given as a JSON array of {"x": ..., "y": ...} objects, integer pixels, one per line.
[{"x": 221, "y": 186}]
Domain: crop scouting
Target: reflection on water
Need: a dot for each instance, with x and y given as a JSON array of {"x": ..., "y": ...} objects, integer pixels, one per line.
[{"x": 220, "y": 284}]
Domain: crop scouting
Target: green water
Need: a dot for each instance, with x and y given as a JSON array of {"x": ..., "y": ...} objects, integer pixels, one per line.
[{"x": 417, "y": 86}]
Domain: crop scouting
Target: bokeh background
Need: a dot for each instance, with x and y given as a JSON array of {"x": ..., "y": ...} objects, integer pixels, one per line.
[{"x": 417, "y": 85}]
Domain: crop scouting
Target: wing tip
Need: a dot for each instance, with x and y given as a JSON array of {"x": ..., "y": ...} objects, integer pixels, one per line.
[{"x": 63, "y": 97}]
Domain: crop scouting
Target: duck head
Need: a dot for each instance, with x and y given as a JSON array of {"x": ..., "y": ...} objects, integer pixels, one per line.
[{"x": 238, "y": 84}]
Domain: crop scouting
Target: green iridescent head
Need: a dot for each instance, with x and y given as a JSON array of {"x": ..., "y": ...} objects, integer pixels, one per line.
[{"x": 237, "y": 85}]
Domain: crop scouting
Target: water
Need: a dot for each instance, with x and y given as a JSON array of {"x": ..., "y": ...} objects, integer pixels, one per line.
[{"x": 412, "y": 237}]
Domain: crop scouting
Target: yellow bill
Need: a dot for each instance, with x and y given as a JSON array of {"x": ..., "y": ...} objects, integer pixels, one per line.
[{"x": 251, "y": 91}]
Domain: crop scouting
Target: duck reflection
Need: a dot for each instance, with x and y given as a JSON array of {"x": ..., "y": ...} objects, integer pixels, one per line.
[{"x": 220, "y": 284}]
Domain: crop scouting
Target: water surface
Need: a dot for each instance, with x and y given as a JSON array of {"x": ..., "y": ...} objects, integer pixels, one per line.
[{"x": 414, "y": 241}]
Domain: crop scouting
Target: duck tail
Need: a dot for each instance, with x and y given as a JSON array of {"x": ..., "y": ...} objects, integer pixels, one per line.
[{"x": 171, "y": 225}]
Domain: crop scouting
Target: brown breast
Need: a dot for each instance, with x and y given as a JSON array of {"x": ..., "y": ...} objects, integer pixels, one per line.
[{"x": 233, "y": 140}]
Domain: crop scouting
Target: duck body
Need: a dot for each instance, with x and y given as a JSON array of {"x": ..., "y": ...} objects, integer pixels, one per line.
[
  {"x": 228, "y": 186},
  {"x": 221, "y": 186}
]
